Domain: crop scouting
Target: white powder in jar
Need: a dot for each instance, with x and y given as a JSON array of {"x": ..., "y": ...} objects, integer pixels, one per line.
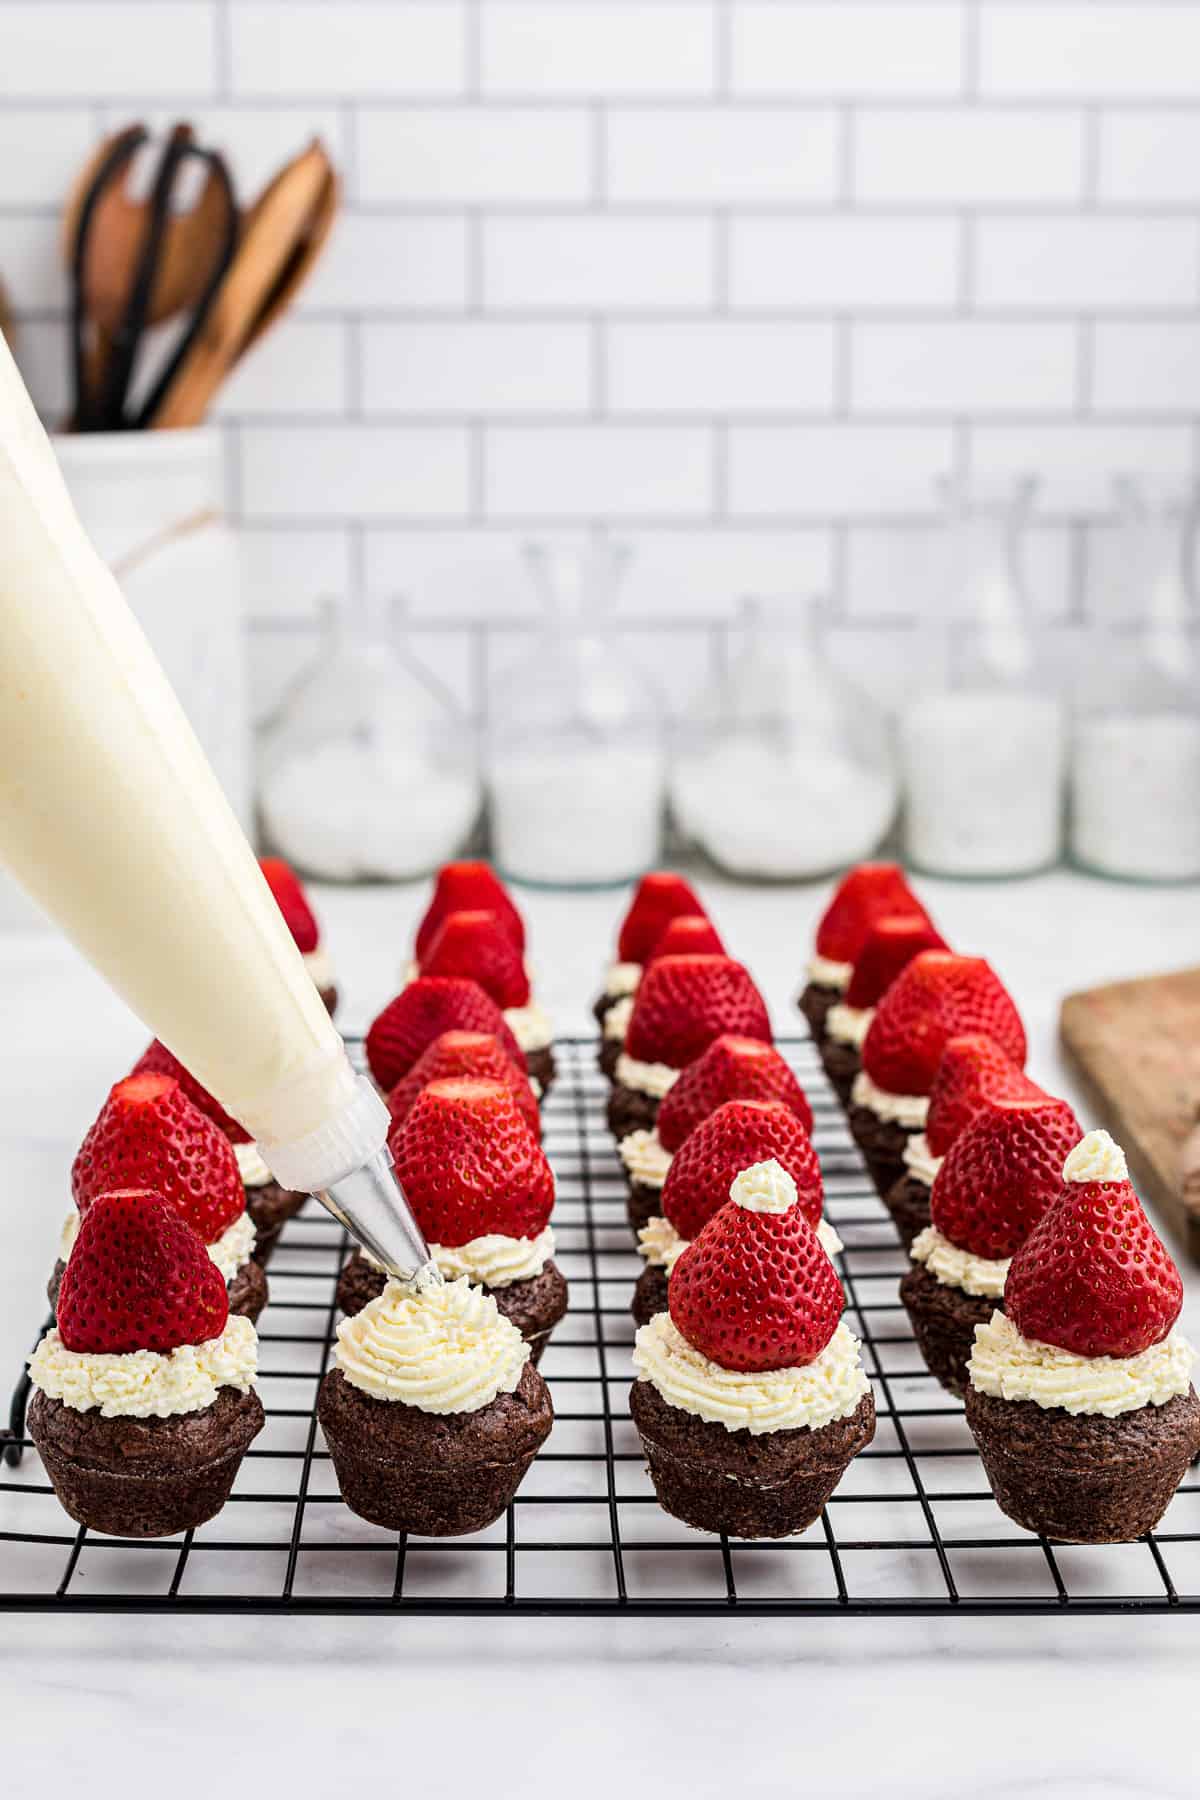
[
  {"x": 1135, "y": 796},
  {"x": 577, "y": 818}
]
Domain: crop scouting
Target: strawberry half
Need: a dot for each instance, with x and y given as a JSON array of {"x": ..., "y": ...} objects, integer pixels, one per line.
[
  {"x": 973, "y": 1071},
  {"x": 684, "y": 1002},
  {"x": 149, "y": 1135},
  {"x": 659, "y": 898},
  {"x": 735, "y": 1136},
  {"x": 158, "y": 1060},
  {"x": 1002, "y": 1173},
  {"x": 888, "y": 948},
  {"x": 138, "y": 1279},
  {"x": 755, "y": 1291},
  {"x": 688, "y": 935},
  {"x": 469, "y": 1164},
  {"x": 476, "y": 945},
  {"x": 421, "y": 1012},
  {"x": 469, "y": 887},
  {"x": 869, "y": 892},
  {"x": 292, "y": 902},
  {"x": 937, "y": 997},
  {"x": 732, "y": 1068},
  {"x": 1094, "y": 1277},
  {"x": 474, "y": 1053}
]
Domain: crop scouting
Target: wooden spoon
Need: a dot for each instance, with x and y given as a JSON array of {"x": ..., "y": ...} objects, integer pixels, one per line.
[
  {"x": 302, "y": 261},
  {"x": 268, "y": 266}
]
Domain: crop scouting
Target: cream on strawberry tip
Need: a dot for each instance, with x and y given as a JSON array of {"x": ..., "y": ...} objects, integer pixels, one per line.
[{"x": 761, "y": 1187}]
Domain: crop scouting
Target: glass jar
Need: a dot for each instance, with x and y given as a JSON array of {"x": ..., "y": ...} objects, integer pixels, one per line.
[
  {"x": 576, "y": 766},
  {"x": 1135, "y": 753},
  {"x": 982, "y": 740},
  {"x": 368, "y": 767},
  {"x": 785, "y": 773}
]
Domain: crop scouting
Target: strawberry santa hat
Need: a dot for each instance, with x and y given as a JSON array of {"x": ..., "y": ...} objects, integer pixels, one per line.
[
  {"x": 474, "y": 1053},
  {"x": 469, "y": 1165},
  {"x": 738, "y": 1133},
  {"x": 476, "y": 945},
  {"x": 937, "y": 996},
  {"x": 659, "y": 897},
  {"x": 150, "y": 1135},
  {"x": 1001, "y": 1173},
  {"x": 684, "y": 1002},
  {"x": 421, "y": 1012},
  {"x": 869, "y": 892},
  {"x": 973, "y": 1072},
  {"x": 469, "y": 887},
  {"x": 732, "y": 1068},
  {"x": 139, "y": 1278}
]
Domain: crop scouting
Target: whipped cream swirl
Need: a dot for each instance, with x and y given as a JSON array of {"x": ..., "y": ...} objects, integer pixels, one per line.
[
  {"x": 979, "y": 1275},
  {"x": 442, "y": 1347},
  {"x": 320, "y": 966},
  {"x": 848, "y": 1024},
  {"x": 646, "y": 1162},
  {"x": 909, "y": 1110},
  {"x": 1011, "y": 1367},
  {"x": 809, "y": 1396},
  {"x": 655, "y": 1079},
  {"x": 920, "y": 1161},
  {"x": 492, "y": 1260},
  {"x": 616, "y": 1019},
  {"x": 144, "y": 1384},
  {"x": 824, "y": 972},
  {"x": 251, "y": 1167},
  {"x": 530, "y": 1026},
  {"x": 1096, "y": 1157},
  {"x": 622, "y": 979}
]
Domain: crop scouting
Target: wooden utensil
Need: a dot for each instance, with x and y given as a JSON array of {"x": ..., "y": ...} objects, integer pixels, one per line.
[
  {"x": 302, "y": 261},
  {"x": 268, "y": 266},
  {"x": 1136, "y": 1045}
]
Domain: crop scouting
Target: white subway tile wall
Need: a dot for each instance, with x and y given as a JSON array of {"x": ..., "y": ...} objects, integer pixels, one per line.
[{"x": 740, "y": 278}]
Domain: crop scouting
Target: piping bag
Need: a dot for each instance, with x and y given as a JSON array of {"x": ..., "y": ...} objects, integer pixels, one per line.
[{"x": 113, "y": 821}]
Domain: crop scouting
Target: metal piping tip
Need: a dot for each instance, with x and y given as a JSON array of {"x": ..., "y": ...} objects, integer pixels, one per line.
[{"x": 370, "y": 1203}]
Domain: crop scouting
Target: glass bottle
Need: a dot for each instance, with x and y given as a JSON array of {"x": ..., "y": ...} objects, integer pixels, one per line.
[
  {"x": 368, "y": 767},
  {"x": 786, "y": 773},
  {"x": 1135, "y": 754},
  {"x": 576, "y": 767},
  {"x": 982, "y": 738}
]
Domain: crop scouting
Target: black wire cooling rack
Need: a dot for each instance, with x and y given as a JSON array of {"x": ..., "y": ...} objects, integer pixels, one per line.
[{"x": 912, "y": 1529}]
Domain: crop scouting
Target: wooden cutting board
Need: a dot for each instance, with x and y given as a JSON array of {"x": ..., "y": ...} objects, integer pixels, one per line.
[{"x": 1136, "y": 1045}]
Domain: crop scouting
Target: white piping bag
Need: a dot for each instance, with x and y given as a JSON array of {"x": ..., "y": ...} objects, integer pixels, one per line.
[{"x": 113, "y": 821}]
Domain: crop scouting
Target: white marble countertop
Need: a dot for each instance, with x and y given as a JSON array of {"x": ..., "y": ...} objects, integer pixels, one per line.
[{"x": 1067, "y": 1707}]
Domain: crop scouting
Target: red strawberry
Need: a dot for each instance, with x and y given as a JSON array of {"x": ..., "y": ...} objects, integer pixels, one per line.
[
  {"x": 660, "y": 897},
  {"x": 292, "y": 901},
  {"x": 739, "y": 1133},
  {"x": 158, "y": 1060},
  {"x": 937, "y": 997},
  {"x": 1002, "y": 1173},
  {"x": 139, "y": 1279},
  {"x": 469, "y": 887},
  {"x": 688, "y": 935},
  {"x": 1093, "y": 1277},
  {"x": 888, "y": 948},
  {"x": 684, "y": 1002},
  {"x": 867, "y": 893},
  {"x": 150, "y": 1134},
  {"x": 732, "y": 1068},
  {"x": 475, "y": 944},
  {"x": 464, "y": 1053},
  {"x": 421, "y": 1012},
  {"x": 756, "y": 1291},
  {"x": 469, "y": 1165},
  {"x": 973, "y": 1071}
]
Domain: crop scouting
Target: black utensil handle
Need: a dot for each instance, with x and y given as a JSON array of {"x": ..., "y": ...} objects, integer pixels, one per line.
[
  {"x": 204, "y": 305},
  {"x": 120, "y": 154}
]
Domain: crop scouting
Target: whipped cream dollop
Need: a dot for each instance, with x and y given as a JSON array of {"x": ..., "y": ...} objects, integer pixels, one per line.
[
  {"x": 1096, "y": 1157},
  {"x": 530, "y": 1026},
  {"x": 1011, "y": 1367},
  {"x": 616, "y": 1019},
  {"x": 909, "y": 1110},
  {"x": 251, "y": 1167},
  {"x": 622, "y": 979},
  {"x": 319, "y": 964},
  {"x": 144, "y": 1384},
  {"x": 646, "y": 1162},
  {"x": 920, "y": 1161},
  {"x": 655, "y": 1079},
  {"x": 807, "y": 1396},
  {"x": 823, "y": 972},
  {"x": 662, "y": 1246},
  {"x": 492, "y": 1260},
  {"x": 848, "y": 1024},
  {"x": 764, "y": 1187},
  {"x": 233, "y": 1248},
  {"x": 979, "y": 1275},
  {"x": 442, "y": 1347}
]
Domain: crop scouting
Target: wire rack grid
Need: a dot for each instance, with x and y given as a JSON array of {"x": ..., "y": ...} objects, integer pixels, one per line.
[{"x": 911, "y": 1530}]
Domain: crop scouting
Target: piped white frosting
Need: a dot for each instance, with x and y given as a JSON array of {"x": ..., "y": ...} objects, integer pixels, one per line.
[
  {"x": 920, "y": 1161},
  {"x": 909, "y": 1110},
  {"x": 530, "y": 1026},
  {"x": 1096, "y": 1157},
  {"x": 848, "y": 1024},
  {"x": 251, "y": 1167},
  {"x": 824, "y": 972},
  {"x": 646, "y": 1162},
  {"x": 493, "y": 1260},
  {"x": 622, "y": 979},
  {"x": 655, "y": 1079},
  {"x": 143, "y": 1384},
  {"x": 616, "y": 1019},
  {"x": 811, "y": 1395},
  {"x": 319, "y": 964},
  {"x": 1011, "y": 1367},
  {"x": 442, "y": 1347},
  {"x": 979, "y": 1275}
]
